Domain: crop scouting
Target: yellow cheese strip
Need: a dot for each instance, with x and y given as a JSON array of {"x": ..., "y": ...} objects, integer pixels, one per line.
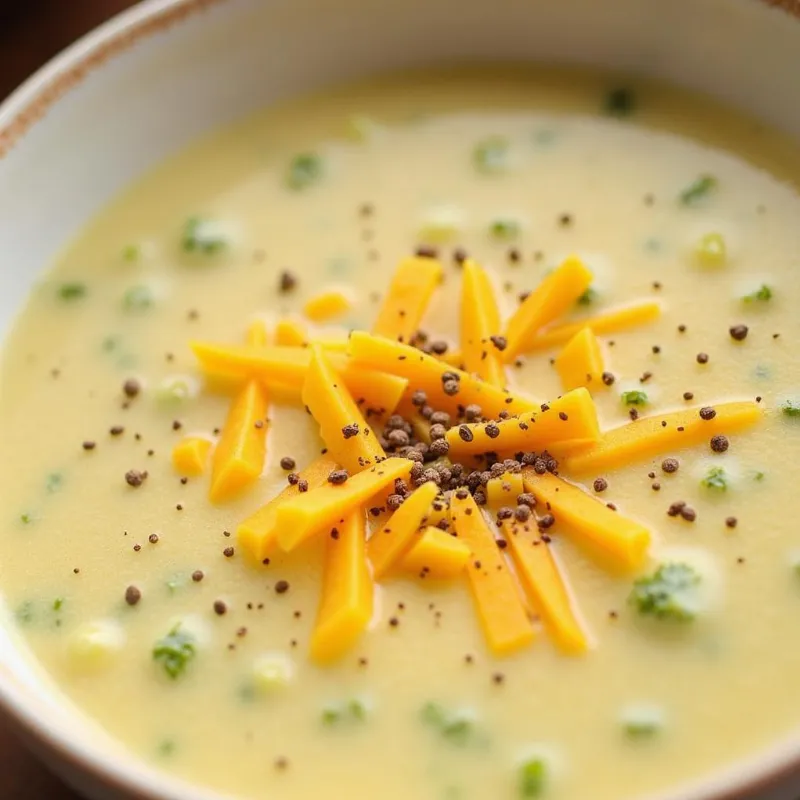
[
  {"x": 283, "y": 369},
  {"x": 239, "y": 454},
  {"x": 190, "y": 455},
  {"x": 435, "y": 554},
  {"x": 504, "y": 490},
  {"x": 345, "y": 607},
  {"x": 410, "y": 291},
  {"x": 480, "y": 320},
  {"x": 290, "y": 332},
  {"x": 334, "y": 410},
  {"x": 580, "y": 363},
  {"x": 387, "y": 545},
  {"x": 326, "y": 305},
  {"x": 304, "y": 515},
  {"x": 551, "y": 299},
  {"x": 533, "y": 431},
  {"x": 619, "y": 541},
  {"x": 500, "y": 607},
  {"x": 544, "y": 585},
  {"x": 454, "y": 358},
  {"x": 258, "y": 533},
  {"x": 649, "y": 436},
  {"x": 425, "y": 372},
  {"x": 609, "y": 322}
]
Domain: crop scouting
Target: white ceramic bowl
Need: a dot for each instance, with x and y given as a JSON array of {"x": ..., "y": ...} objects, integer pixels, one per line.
[{"x": 154, "y": 78}]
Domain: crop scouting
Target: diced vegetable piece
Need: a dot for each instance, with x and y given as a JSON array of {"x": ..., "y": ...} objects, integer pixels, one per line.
[
  {"x": 532, "y": 778},
  {"x": 491, "y": 156},
  {"x": 572, "y": 416},
  {"x": 346, "y": 434},
  {"x": 387, "y": 545},
  {"x": 761, "y": 295},
  {"x": 435, "y": 554},
  {"x": 425, "y": 372},
  {"x": 580, "y": 363},
  {"x": 138, "y": 298},
  {"x": 72, "y": 290},
  {"x": 716, "y": 479},
  {"x": 305, "y": 169},
  {"x": 711, "y": 251},
  {"x": 283, "y": 369},
  {"x": 410, "y": 291},
  {"x": 544, "y": 585},
  {"x": 499, "y": 605},
  {"x": 345, "y": 607},
  {"x": 620, "y": 541},
  {"x": 203, "y": 236},
  {"x": 609, "y": 322},
  {"x": 505, "y": 229},
  {"x": 272, "y": 672},
  {"x": 791, "y": 408},
  {"x": 634, "y": 397},
  {"x": 175, "y": 651},
  {"x": 190, "y": 455},
  {"x": 304, "y": 515},
  {"x": 326, "y": 306},
  {"x": 504, "y": 490},
  {"x": 642, "y": 721},
  {"x": 290, "y": 333},
  {"x": 648, "y": 436},
  {"x": 480, "y": 320},
  {"x": 239, "y": 455},
  {"x": 258, "y": 533},
  {"x": 552, "y": 298},
  {"x": 440, "y": 224},
  {"x": 670, "y": 593}
]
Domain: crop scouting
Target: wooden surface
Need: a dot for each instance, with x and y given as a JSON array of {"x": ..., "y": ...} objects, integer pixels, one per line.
[{"x": 31, "y": 32}]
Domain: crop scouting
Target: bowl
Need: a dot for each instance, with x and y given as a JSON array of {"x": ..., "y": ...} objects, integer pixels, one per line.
[{"x": 154, "y": 78}]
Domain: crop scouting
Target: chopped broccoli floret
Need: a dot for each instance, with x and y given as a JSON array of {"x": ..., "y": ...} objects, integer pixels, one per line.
[{"x": 669, "y": 593}]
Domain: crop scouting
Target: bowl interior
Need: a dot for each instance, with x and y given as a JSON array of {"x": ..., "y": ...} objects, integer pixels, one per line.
[{"x": 167, "y": 71}]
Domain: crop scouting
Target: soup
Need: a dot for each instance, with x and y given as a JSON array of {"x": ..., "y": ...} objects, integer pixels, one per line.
[{"x": 579, "y": 613}]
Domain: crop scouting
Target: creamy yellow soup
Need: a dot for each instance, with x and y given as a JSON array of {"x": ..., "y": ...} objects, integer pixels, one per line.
[{"x": 664, "y": 197}]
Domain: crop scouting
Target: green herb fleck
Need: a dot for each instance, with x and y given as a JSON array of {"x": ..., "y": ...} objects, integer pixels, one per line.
[
  {"x": 698, "y": 190},
  {"x": 110, "y": 343},
  {"x": 138, "y": 298},
  {"x": 131, "y": 252},
  {"x": 758, "y": 475},
  {"x": 25, "y": 518},
  {"x": 456, "y": 727},
  {"x": 72, "y": 291},
  {"x": 491, "y": 155},
  {"x": 717, "y": 479},
  {"x": 620, "y": 102},
  {"x": 635, "y": 397},
  {"x": 54, "y": 482},
  {"x": 166, "y": 748},
  {"x": 668, "y": 594},
  {"x": 505, "y": 229},
  {"x": 24, "y": 613},
  {"x": 203, "y": 236},
  {"x": 791, "y": 408},
  {"x": 353, "y": 710},
  {"x": 174, "y": 651},
  {"x": 58, "y": 604},
  {"x": 532, "y": 778},
  {"x": 641, "y": 722},
  {"x": 304, "y": 170},
  {"x": 762, "y": 295},
  {"x": 711, "y": 250},
  {"x": 588, "y": 297}
]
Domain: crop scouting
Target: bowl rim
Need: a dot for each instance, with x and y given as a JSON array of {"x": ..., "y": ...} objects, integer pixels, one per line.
[{"x": 20, "y": 111}]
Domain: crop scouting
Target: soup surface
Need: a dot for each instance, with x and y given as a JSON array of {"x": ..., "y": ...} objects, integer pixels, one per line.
[{"x": 131, "y": 587}]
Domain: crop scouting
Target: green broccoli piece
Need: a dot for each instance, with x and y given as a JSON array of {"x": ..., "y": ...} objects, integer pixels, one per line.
[{"x": 668, "y": 594}]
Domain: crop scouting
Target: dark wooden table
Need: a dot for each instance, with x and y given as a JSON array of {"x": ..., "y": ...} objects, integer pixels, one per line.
[{"x": 31, "y": 32}]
